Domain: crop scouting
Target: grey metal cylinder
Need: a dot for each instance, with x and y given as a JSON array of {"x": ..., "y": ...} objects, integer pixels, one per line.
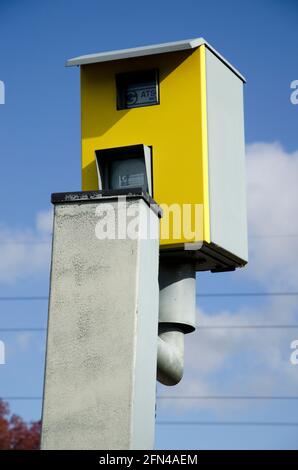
[
  {"x": 177, "y": 294},
  {"x": 170, "y": 354}
]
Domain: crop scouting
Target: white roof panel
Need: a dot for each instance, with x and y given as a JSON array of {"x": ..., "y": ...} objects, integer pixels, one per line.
[{"x": 147, "y": 50}]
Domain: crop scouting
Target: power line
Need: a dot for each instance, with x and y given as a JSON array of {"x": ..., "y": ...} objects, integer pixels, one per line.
[
  {"x": 15, "y": 298},
  {"x": 21, "y": 398},
  {"x": 212, "y": 423},
  {"x": 227, "y": 397},
  {"x": 215, "y": 294},
  {"x": 203, "y": 327},
  {"x": 226, "y": 423},
  {"x": 290, "y": 235},
  {"x": 244, "y": 327},
  {"x": 25, "y": 242},
  {"x": 188, "y": 397},
  {"x": 17, "y": 330},
  {"x": 247, "y": 294}
]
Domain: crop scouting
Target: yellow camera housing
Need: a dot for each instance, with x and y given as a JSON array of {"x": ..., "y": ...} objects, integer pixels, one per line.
[{"x": 178, "y": 109}]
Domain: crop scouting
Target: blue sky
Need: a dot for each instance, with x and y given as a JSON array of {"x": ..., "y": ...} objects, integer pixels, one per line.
[{"x": 40, "y": 154}]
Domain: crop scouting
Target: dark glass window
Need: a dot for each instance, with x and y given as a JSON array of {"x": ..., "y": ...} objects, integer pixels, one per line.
[
  {"x": 136, "y": 89},
  {"x": 123, "y": 168}
]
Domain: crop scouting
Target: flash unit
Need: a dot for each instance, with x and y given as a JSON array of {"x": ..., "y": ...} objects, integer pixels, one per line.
[{"x": 125, "y": 167}]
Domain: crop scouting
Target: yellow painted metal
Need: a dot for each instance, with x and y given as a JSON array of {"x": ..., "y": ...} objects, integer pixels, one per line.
[{"x": 176, "y": 129}]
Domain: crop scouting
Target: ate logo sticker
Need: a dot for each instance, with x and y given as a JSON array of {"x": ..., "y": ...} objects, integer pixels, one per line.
[{"x": 140, "y": 96}]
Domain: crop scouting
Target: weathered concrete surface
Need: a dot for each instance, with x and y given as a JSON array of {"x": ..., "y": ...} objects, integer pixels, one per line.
[{"x": 102, "y": 334}]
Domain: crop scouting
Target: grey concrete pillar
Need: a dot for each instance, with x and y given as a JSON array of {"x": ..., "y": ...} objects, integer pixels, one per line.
[{"x": 100, "y": 376}]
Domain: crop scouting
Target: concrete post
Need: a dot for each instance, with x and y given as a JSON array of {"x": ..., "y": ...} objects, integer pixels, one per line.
[{"x": 100, "y": 376}]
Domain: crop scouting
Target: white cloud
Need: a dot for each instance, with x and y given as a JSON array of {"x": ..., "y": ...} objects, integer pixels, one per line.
[
  {"x": 272, "y": 189},
  {"x": 25, "y": 252},
  {"x": 24, "y": 340},
  {"x": 227, "y": 361},
  {"x": 273, "y": 215},
  {"x": 236, "y": 361},
  {"x": 44, "y": 221}
]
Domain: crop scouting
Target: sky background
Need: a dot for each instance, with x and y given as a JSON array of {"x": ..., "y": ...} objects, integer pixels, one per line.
[{"x": 40, "y": 154}]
